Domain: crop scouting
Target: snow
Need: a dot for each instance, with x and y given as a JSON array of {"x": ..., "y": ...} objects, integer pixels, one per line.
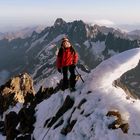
[
  {"x": 87, "y": 43},
  {"x": 100, "y": 97},
  {"x": 16, "y": 109},
  {"x": 42, "y": 116},
  {"x": 59, "y": 37},
  {"x": 50, "y": 81},
  {"x": 112, "y": 52},
  {"x": 93, "y": 123},
  {"x": 40, "y": 40},
  {"x": 2, "y": 137},
  {"x": 96, "y": 47},
  {"x": 51, "y": 45}
]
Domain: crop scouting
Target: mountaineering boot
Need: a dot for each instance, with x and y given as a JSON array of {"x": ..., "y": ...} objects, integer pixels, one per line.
[{"x": 65, "y": 86}]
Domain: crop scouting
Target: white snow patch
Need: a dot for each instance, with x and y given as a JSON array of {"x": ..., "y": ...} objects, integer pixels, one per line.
[
  {"x": 40, "y": 40},
  {"x": 112, "y": 52}
]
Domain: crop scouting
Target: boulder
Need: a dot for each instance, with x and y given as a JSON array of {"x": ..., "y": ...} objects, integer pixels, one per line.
[{"x": 118, "y": 121}]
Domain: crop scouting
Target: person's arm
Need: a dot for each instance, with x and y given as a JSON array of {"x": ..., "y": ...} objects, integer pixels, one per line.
[{"x": 75, "y": 59}]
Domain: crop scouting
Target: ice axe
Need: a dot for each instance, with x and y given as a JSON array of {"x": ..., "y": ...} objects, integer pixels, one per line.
[{"x": 79, "y": 75}]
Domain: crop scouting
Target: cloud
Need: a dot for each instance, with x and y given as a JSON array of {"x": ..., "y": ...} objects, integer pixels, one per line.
[{"x": 104, "y": 22}]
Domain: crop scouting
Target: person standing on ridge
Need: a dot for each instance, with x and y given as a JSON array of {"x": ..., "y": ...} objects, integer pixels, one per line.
[{"x": 67, "y": 59}]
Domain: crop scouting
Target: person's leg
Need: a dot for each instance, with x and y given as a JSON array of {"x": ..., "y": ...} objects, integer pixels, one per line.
[
  {"x": 72, "y": 76},
  {"x": 65, "y": 78}
]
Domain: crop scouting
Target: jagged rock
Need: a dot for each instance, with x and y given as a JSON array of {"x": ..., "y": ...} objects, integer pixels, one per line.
[
  {"x": 118, "y": 123},
  {"x": 81, "y": 102},
  {"x": 89, "y": 92},
  {"x": 26, "y": 119},
  {"x": 59, "y": 21},
  {"x": 68, "y": 103},
  {"x": 59, "y": 123},
  {"x": 68, "y": 128},
  {"x": 43, "y": 93},
  {"x": 82, "y": 112},
  {"x": 130, "y": 82},
  {"x": 124, "y": 127},
  {"x": 10, "y": 123},
  {"x": 2, "y": 127},
  {"x": 17, "y": 89},
  {"x": 70, "y": 124}
]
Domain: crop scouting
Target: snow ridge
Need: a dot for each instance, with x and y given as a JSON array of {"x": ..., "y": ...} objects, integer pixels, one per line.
[{"x": 100, "y": 96}]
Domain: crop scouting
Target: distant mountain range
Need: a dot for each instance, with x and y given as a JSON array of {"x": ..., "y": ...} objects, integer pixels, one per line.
[
  {"x": 35, "y": 54},
  {"x": 105, "y": 106},
  {"x": 1, "y": 33},
  {"x": 23, "y": 33}
]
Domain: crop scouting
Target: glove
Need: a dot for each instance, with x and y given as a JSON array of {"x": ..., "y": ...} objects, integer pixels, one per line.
[
  {"x": 59, "y": 70},
  {"x": 74, "y": 65}
]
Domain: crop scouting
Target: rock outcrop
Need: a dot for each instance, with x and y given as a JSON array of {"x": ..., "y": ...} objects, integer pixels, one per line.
[
  {"x": 118, "y": 121},
  {"x": 17, "y": 89}
]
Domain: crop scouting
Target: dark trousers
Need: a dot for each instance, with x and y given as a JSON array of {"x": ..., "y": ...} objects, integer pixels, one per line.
[{"x": 66, "y": 80}]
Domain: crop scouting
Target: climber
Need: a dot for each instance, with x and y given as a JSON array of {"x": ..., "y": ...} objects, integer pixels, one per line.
[{"x": 67, "y": 59}]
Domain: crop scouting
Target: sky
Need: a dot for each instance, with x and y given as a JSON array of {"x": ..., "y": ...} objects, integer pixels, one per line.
[{"x": 45, "y": 12}]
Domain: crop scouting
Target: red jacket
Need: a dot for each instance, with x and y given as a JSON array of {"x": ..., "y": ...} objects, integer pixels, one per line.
[{"x": 67, "y": 58}]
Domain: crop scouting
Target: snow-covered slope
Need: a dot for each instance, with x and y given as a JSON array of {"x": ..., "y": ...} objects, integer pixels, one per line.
[
  {"x": 84, "y": 114},
  {"x": 99, "y": 96}
]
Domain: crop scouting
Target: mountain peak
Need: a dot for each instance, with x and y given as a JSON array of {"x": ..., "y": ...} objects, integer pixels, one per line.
[
  {"x": 96, "y": 26},
  {"x": 59, "y": 21}
]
